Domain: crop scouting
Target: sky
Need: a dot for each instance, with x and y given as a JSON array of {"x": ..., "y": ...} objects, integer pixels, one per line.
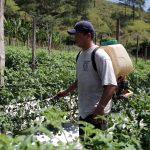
[{"x": 147, "y": 3}]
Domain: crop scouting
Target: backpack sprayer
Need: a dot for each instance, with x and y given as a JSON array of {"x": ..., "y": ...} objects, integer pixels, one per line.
[{"x": 122, "y": 64}]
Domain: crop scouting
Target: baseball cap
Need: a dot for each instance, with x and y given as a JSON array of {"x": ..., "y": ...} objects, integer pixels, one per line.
[{"x": 82, "y": 26}]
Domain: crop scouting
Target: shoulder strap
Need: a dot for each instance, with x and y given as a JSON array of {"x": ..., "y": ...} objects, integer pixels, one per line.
[
  {"x": 93, "y": 58},
  {"x": 77, "y": 56}
]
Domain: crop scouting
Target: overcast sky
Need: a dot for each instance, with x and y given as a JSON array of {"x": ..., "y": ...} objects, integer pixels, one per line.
[{"x": 147, "y": 3}]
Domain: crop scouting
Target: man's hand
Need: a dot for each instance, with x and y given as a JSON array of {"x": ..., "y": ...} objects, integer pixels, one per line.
[
  {"x": 65, "y": 92},
  {"x": 98, "y": 111}
]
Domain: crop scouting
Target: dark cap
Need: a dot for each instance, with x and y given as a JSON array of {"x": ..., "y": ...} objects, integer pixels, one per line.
[{"x": 82, "y": 26}]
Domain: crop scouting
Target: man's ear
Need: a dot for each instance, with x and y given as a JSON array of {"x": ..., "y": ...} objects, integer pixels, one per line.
[{"x": 89, "y": 35}]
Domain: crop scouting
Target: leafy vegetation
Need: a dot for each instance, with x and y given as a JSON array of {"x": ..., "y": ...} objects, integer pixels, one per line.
[
  {"x": 23, "y": 100},
  {"x": 127, "y": 128}
]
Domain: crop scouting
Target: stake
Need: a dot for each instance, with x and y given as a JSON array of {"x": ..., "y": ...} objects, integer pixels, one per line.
[
  {"x": 146, "y": 53},
  {"x": 137, "y": 49},
  {"x": 33, "y": 44}
]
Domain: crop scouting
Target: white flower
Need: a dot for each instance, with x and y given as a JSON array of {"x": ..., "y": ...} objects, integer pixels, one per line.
[
  {"x": 142, "y": 124},
  {"x": 124, "y": 125},
  {"x": 126, "y": 119}
]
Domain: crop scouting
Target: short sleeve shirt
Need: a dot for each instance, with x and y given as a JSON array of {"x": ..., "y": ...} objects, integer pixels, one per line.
[{"x": 91, "y": 82}]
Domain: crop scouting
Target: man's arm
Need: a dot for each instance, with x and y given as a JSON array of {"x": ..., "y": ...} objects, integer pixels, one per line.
[
  {"x": 65, "y": 92},
  {"x": 106, "y": 96}
]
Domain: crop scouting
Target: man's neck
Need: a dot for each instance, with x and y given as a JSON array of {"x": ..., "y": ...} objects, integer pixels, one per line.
[{"x": 88, "y": 46}]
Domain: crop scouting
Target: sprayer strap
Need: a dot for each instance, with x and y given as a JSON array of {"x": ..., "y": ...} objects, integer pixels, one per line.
[{"x": 92, "y": 58}]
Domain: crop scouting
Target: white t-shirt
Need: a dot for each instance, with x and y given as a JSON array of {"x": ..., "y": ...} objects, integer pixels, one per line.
[{"x": 90, "y": 82}]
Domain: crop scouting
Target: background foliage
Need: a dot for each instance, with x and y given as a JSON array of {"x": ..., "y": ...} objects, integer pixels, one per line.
[
  {"x": 55, "y": 17},
  {"x": 128, "y": 124}
]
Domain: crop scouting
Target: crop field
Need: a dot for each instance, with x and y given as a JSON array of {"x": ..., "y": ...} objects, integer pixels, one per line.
[{"x": 28, "y": 106}]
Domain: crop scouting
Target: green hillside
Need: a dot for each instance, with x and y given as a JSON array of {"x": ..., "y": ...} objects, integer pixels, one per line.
[{"x": 62, "y": 15}]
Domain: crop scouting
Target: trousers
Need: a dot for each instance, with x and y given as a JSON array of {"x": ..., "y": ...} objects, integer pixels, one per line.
[{"x": 88, "y": 119}]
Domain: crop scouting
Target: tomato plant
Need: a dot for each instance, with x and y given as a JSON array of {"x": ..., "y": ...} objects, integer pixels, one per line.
[{"x": 21, "y": 102}]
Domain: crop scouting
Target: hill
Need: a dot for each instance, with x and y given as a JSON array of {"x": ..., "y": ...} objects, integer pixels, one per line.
[{"x": 61, "y": 15}]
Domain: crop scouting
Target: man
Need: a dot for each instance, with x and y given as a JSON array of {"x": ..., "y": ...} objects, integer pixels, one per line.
[{"x": 95, "y": 88}]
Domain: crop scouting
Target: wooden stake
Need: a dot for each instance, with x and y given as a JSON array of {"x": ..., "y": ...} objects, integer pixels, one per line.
[
  {"x": 33, "y": 44},
  {"x": 2, "y": 51},
  {"x": 146, "y": 53},
  {"x": 137, "y": 49}
]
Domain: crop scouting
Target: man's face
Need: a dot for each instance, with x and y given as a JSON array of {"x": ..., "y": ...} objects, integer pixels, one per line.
[{"x": 82, "y": 39}]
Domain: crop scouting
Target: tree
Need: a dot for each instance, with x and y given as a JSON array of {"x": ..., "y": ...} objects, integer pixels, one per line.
[
  {"x": 2, "y": 52},
  {"x": 133, "y": 4},
  {"x": 140, "y": 3}
]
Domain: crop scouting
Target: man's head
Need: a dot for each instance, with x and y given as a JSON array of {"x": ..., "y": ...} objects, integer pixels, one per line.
[
  {"x": 84, "y": 33},
  {"x": 83, "y": 27}
]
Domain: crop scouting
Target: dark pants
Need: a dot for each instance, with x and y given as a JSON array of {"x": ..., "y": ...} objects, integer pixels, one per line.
[{"x": 88, "y": 119}]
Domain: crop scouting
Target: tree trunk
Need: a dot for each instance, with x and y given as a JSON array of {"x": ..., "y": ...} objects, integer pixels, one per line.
[
  {"x": 94, "y": 3},
  {"x": 2, "y": 52},
  {"x": 118, "y": 30},
  {"x": 125, "y": 8},
  {"x": 28, "y": 41},
  {"x": 133, "y": 10}
]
